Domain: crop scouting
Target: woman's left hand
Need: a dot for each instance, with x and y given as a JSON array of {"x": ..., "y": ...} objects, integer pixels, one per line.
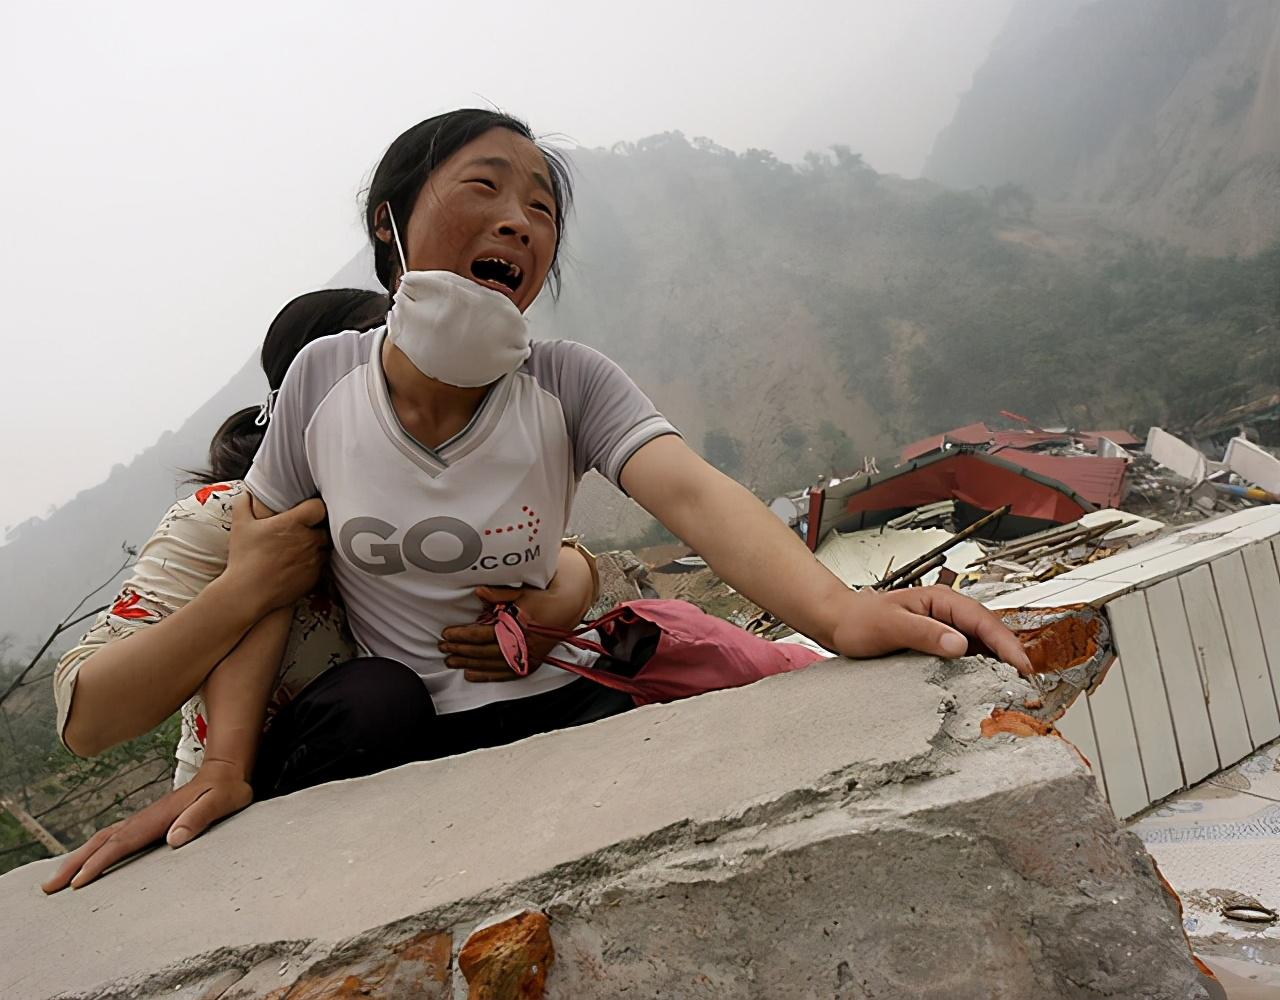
[
  {"x": 933, "y": 620},
  {"x": 474, "y": 649}
]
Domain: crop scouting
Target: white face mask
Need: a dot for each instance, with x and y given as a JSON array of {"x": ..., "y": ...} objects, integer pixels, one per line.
[{"x": 454, "y": 330}]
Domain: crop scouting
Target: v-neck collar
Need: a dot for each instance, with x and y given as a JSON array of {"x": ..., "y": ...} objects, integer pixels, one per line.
[{"x": 433, "y": 461}]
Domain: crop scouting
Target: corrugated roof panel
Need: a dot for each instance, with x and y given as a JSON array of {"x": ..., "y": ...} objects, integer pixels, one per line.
[
  {"x": 981, "y": 481},
  {"x": 970, "y": 434},
  {"x": 1098, "y": 480}
]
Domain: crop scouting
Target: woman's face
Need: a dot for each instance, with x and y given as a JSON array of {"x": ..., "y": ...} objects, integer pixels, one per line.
[{"x": 487, "y": 213}]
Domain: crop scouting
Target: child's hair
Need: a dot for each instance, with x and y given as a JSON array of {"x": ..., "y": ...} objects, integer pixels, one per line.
[
  {"x": 416, "y": 152},
  {"x": 307, "y": 318}
]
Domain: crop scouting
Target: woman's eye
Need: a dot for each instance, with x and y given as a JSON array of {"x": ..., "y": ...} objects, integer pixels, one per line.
[
  {"x": 486, "y": 182},
  {"x": 539, "y": 206}
]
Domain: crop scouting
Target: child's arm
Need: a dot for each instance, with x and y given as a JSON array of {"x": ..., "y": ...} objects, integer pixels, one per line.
[
  {"x": 236, "y": 696},
  {"x": 128, "y": 686}
]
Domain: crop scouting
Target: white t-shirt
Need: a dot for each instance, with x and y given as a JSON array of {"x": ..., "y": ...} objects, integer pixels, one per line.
[{"x": 416, "y": 529}]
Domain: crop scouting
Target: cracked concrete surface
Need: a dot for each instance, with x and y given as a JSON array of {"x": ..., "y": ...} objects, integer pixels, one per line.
[{"x": 842, "y": 831}]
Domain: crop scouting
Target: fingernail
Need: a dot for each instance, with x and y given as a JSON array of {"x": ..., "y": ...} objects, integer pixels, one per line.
[
  {"x": 953, "y": 644},
  {"x": 179, "y": 836}
]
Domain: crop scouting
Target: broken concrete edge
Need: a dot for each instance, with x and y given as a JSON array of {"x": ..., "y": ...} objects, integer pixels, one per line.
[
  {"x": 361, "y": 964},
  {"x": 995, "y": 683},
  {"x": 1018, "y": 724},
  {"x": 1172, "y": 893},
  {"x": 971, "y": 692},
  {"x": 508, "y": 957}
]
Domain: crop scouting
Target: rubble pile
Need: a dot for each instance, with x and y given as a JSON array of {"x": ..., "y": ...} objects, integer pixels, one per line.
[{"x": 1032, "y": 505}]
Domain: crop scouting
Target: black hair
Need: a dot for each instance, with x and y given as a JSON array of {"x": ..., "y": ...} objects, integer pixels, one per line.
[
  {"x": 416, "y": 152},
  {"x": 315, "y": 315},
  {"x": 306, "y": 318}
]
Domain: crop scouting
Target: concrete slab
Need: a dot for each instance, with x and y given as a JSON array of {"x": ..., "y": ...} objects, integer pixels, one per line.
[
  {"x": 1176, "y": 455},
  {"x": 845, "y": 830},
  {"x": 1148, "y": 563},
  {"x": 1253, "y": 464}
]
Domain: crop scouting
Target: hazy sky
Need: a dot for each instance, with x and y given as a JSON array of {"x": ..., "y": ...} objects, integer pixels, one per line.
[{"x": 171, "y": 177}]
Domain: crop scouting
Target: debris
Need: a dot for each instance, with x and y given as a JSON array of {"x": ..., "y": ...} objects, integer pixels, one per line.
[
  {"x": 508, "y": 960},
  {"x": 936, "y": 556},
  {"x": 1255, "y": 493},
  {"x": 931, "y": 515},
  {"x": 860, "y": 558},
  {"x": 1049, "y": 542},
  {"x": 791, "y": 507},
  {"x": 1260, "y": 416},
  {"x": 1250, "y": 914},
  {"x": 1029, "y": 436},
  {"x": 1176, "y": 455},
  {"x": 974, "y": 434},
  {"x": 1134, "y": 528},
  {"x": 1110, "y": 449},
  {"x": 1253, "y": 464},
  {"x": 1159, "y": 492},
  {"x": 623, "y": 577}
]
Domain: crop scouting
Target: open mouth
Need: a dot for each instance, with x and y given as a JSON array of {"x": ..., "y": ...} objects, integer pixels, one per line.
[{"x": 496, "y": 271}]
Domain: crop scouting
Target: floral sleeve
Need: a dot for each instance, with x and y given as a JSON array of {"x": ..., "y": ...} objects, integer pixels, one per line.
[{"x": 187, "y": 551}]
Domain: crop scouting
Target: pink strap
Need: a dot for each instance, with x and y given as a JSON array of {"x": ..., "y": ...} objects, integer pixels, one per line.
[{"x": 511, "y": 625}]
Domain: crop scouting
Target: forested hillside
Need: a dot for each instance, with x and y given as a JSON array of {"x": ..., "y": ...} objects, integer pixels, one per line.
[{"x": 792, "y": 319}]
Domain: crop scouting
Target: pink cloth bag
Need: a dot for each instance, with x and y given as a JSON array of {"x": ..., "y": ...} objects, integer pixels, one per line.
[{"x": 696, "y": 652}]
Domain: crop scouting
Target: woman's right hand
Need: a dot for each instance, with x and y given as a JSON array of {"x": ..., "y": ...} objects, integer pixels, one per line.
[
  {"x": 277, "y": 559},
  {"x": 218, "y": 790}
]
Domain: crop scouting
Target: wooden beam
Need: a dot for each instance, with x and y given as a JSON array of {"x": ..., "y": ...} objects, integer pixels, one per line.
[{"x": 32, "y": 826}]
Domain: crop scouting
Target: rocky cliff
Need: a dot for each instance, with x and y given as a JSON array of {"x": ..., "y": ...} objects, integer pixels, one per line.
[{"x": 1161, "y": 115}]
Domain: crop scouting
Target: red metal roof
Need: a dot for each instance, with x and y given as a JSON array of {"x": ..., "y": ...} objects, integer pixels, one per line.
[
  {"x": 1098, "y": 480},
  {"x": 1028, "y": 439},
  {"x": 976, "y": 479},
  {"x": 981, "y": 481},
  {"x": 976, "y": 435},
  {"x": 971, "y": 434}
]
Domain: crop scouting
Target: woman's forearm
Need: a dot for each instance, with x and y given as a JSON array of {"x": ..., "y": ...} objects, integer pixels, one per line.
[
  {"x": 236, "y": 693},
  {"x": 742, "y": 540},
  {"x": 130, "y": 686}
]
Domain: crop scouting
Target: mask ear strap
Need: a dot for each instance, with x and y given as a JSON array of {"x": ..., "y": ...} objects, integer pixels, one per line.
[{"x": 404, "y": 264}]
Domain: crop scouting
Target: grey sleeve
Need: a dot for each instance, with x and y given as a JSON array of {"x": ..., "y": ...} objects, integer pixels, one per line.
[
  {"x": 281, "y": 475},
  {"x": 607, "y": 415}
]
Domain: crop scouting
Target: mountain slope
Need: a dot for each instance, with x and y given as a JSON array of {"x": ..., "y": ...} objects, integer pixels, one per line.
[
  {"x": 791, "y": 320},
  {"x": 1162, "y": 115}
]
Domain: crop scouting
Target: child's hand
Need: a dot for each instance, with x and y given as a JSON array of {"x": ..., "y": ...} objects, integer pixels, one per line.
[{"x": 218, "y": 790}]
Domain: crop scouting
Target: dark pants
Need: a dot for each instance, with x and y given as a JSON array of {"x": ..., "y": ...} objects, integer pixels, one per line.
[{"x": 370, "y": 714}]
